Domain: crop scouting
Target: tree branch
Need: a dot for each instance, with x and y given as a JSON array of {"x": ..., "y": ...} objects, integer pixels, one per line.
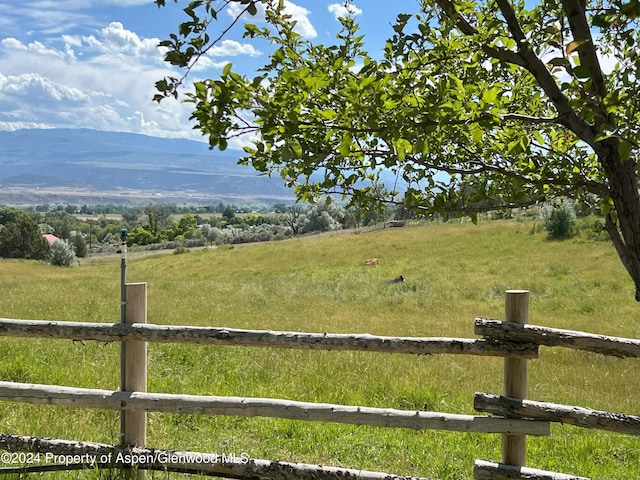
[
  {"x": 576, "y": 16},
  {"x": 196, "y": 57},
  {"x": 527, "y": 59},
  {"x": 566, "y": 114}
]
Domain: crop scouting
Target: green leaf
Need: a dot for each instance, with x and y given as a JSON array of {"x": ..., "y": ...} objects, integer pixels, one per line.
[
  {"x": 514, "y": 147},
  {"x": 295, "y": 147},
  {"x": 345, "y": 144},
  {"x": 600, "y": 21},
  {"x": 402, "y": 146},
  {"x": 328, "y": 114},
  {"x": 477, "y": 134},
  {"x": 582, "y": 72},
  {"x": 490, "y": 95},
  {"x": 314, "y": 82}
]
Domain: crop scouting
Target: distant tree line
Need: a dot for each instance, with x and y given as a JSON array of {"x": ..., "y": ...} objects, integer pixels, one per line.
[
  {"x": 227, "y": 224},
  {"x": 157, "y": 226},
  {"x": 84, "y": 230}
]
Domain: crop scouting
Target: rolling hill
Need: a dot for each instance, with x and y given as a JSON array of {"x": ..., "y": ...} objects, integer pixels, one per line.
[{"x": 83, "y": 166}]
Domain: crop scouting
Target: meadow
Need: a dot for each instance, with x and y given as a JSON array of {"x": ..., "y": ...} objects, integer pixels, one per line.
[{"x": 453, "y": 273}]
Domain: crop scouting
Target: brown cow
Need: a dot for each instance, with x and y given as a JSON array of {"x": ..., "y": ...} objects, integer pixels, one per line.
[{"x": 371, "y": 261}]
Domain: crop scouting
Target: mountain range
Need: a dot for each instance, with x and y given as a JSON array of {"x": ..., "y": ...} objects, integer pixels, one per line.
[{"x": 81, "y": 166}]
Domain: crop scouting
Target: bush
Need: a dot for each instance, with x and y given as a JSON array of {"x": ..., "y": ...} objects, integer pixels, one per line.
[
  {"x": 80, "y": 245},
  {"x": 592, "y": 228},
  {"x": 63, "y": 254},
  {"x": 560, "y": 220}
]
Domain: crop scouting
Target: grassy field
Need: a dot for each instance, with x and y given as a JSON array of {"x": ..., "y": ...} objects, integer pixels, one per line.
[{"x": 454, "y": 273}]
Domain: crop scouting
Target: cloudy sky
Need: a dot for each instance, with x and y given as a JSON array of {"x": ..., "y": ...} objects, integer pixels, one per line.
[{"x": 93, "y": 63}]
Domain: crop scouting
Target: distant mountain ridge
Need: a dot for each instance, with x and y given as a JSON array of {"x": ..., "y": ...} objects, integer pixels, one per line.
[{"x": 95, "y": 167}]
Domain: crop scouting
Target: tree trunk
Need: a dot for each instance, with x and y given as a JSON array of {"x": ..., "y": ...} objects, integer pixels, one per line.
[{"x": 623, "y": 188}]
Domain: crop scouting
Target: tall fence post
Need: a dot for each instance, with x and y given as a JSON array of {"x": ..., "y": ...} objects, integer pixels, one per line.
[
  {"x": 135, "y": 369},
  {"x": 515, "y": 376}
]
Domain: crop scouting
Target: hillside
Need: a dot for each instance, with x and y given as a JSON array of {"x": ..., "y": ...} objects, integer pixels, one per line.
[{"x": 88, "y": 166}]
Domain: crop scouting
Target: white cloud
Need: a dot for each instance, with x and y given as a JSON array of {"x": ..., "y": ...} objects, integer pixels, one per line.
[
  {"x": 61, "y": 67},
  {"x": 344, "y": 9},
  {"x": 108, "y": 87},
  {"x": 38, "y": 88},
  {"x": 35, "y": 47},
  {"x": 15, "y": 126},
  {"x": 12, "y": 43},
  {"x": 206, "y": 64},
  {"x": 232, "y": 48},
  {"x": 116, "y": 40},
  {"x": 299, "y": 14},
  {"x": 72, "y": 41}
]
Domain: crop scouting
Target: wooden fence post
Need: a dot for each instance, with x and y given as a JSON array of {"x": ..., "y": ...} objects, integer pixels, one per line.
[
  {"x": 515, "y": 376},
  {"x": 135, "y": 369}
]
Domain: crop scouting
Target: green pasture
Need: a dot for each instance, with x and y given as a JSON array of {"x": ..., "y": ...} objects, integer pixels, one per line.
[{"x": 454, "y": 273}]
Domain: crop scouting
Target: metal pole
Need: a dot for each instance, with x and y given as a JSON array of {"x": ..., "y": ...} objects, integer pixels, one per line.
[{"x": 123, "y": 318}]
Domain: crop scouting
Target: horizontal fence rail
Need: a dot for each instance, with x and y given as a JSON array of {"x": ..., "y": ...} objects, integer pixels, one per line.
[
  {"x": 266, "y": 407},
  {"x": 552, "y": 412},
  {"x": 484, "y": 470},
  {"x": 109, "y": 332},
  {"x": 555, "y": 337},
  {"x": 233, "y": 465}
]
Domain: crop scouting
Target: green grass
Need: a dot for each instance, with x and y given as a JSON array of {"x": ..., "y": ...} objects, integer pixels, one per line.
[{"x": 453, "y": 272}]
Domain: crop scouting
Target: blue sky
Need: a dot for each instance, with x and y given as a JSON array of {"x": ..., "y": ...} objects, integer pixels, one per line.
[{"x": 93, "y": 63}]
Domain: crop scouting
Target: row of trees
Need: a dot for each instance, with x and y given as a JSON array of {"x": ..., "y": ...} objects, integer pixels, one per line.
[
  {"x": 21, "y": 231},
  {"x": 232, "y": 227},
  {"x": 165, "y": 226}
]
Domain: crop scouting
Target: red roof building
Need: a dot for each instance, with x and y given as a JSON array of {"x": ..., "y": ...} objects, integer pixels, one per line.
[{"x": 50, "y": 238}]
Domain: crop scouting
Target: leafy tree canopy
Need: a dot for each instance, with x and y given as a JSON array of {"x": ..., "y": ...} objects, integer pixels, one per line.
[
  {"x": 516, "y": 102},
  {"x": 22, "y": 239}
]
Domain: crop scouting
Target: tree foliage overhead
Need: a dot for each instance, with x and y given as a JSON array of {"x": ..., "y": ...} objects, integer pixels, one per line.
[{"x": 516, "y": 102}]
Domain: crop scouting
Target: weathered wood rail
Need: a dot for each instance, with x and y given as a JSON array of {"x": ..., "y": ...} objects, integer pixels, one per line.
[
  {"x": 555, "y": 337},
  {"x": 553, "y": 412},
  {"x": 265, "y": 407},
  {"x": 111, "y": 332},
  {"x": 484, "y": 470},
  {"x": 187, "y": 461},
  {"x": 512, "y": 415}
]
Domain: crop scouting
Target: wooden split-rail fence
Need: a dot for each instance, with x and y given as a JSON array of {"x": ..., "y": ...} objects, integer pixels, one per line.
[{"x": 511, "y": 414}]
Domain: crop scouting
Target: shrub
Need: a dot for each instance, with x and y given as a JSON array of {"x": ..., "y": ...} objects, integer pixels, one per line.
[
  {"x": 80, "y": 245},
  {"x": 559, "y": 220},
  {"x": 592, "y": 228},
  {"x": 63, "y": 254},
  {"x": 179, "y": 250}
]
